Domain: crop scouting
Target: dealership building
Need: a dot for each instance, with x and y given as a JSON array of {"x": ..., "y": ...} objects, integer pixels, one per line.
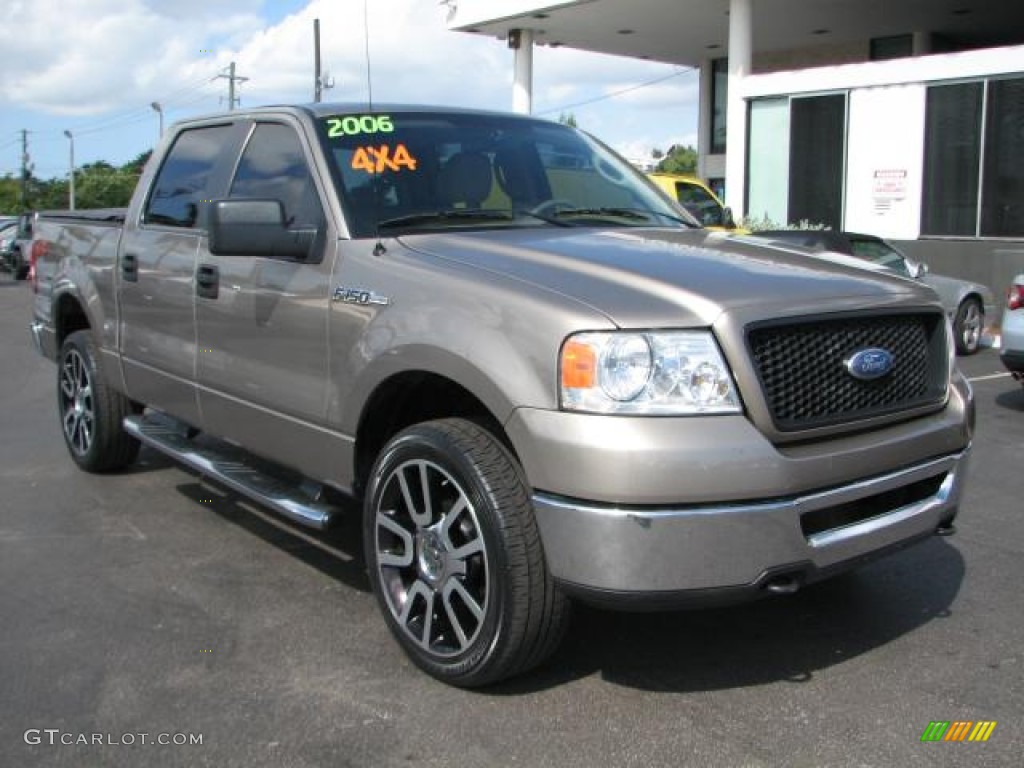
[{"x": 899, "y": 118}]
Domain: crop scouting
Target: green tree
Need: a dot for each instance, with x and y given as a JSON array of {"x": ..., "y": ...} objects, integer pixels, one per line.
[
  {"x": 678, "y": 159},
  {"x": 568, "y": 118}
]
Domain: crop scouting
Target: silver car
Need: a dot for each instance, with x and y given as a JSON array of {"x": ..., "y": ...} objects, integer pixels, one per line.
[
  {"x": 8, "y": 233},
  {"x": 1012, "y": 348},
  {"x": 967, "y": 303}
]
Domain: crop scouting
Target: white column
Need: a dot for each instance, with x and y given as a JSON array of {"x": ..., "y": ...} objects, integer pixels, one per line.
[
  {"x": 522, "y": 88},
  {"x": 740, "y": 55}
]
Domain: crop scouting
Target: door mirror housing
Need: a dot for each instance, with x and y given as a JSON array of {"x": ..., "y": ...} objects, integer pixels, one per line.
[
  {"x": 727, "y": 220},
  {"x": 256, "y": 228},
  {"x": 917, "y": 269}
]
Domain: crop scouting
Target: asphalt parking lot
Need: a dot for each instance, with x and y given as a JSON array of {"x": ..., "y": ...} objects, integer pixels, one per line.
[{"x": 147, "y": 602}]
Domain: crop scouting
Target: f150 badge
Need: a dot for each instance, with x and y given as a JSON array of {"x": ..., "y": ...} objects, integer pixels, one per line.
[
  {"x": 359, "y": 296},
  {"x": 869, "y": 364}
]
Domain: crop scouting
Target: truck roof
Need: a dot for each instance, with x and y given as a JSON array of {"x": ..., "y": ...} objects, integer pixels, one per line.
[{"x": 325, "y": 109}]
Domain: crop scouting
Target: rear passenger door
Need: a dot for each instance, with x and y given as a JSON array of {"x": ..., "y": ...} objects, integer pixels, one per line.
[
  {"x": 156, "y": 265},
  {"x": 262, "y": 363}
]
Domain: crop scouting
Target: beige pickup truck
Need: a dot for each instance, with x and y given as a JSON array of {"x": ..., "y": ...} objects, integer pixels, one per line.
[{"x": 544, "y": 380}]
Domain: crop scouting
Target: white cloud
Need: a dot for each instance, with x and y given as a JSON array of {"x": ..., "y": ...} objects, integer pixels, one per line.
[
  {"x": 94, "y": 56},
  {"x": 106, "y": 60}
]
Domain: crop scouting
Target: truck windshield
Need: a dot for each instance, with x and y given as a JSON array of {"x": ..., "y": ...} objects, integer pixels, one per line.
[{"x": 416, "y": 171}]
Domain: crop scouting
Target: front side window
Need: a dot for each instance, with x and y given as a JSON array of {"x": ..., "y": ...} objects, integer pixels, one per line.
[
  {"x": 182, "y": 183},
  {"x": 274, "y": 167},
  {"x": 407, "y": 171}
]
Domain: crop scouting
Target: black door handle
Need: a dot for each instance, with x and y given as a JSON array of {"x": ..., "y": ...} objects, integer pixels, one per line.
[
  {"x": 130, "y": 268},
  {"x": 207, "y": 281}
]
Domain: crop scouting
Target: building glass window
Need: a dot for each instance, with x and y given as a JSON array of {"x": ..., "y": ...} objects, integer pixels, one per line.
[
  {"x": 952, "y": 141},
  {"x": 974, "y": 168},
  {"x": 892, "y": 47},
  {"x": 817, "y": 140},
  {"x": 719, "y": 104},
  {"x": 1002, "y": 188}
]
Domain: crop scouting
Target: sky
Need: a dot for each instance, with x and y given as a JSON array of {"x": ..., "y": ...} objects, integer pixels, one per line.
[{"x": 93, "y": 67}]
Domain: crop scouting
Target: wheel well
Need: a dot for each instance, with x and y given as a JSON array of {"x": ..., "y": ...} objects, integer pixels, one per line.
[
  {"x": 411, "y": 398},
  {"x": 68, "y": 317},
  {"x": 973, "y": 296}
]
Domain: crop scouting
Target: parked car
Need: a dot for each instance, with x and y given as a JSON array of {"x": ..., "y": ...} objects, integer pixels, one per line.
[
  {"x": 967, "y": 303},
  {"x": 8, "y": 230},
  {"x": 1012, "y": 347},
  {"x": 698, "y": 199},
  {"x": 17, "y": 259}
]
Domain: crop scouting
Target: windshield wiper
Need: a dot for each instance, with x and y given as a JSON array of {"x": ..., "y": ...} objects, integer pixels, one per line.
[
  {"x": 541, "y": 217},
  {"x": 454, "y": 214},
  {"x": 463, "y": 214},
  {"x": 638, "y": 214}
]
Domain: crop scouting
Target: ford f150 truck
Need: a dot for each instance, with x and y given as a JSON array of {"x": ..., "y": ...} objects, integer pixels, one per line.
[{"x": 542, "y": 377}]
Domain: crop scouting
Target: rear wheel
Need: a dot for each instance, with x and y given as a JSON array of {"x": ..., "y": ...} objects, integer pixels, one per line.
[
  {"x": 968, "y": 325},
  {"x": 91, "y": 412},
  {"x": 455, "y": 557}
]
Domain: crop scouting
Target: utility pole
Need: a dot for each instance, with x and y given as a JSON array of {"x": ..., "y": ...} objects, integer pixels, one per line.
[
  {"x": 71, "y": 170},
  {"x": 24, "y": 168},
  {"x": 318, "y": 83},
  {"x": 231, "y": 77}
]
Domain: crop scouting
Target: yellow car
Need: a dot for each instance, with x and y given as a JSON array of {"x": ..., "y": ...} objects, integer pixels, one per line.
[{"x": 697, "y": 198}]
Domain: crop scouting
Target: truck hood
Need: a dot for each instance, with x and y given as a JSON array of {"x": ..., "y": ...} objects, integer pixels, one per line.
[{"x": 648, "y": 278}]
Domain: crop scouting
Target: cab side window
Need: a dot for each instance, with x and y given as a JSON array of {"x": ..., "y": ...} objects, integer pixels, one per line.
[
  {"x": 182, "y": 182},
  {"x": 274, "y": 167}
]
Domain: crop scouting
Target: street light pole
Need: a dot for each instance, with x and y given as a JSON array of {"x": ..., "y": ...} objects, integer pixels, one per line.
[
  {"x": 71, "y": 171},
  {"x": 160, "y": 111}
]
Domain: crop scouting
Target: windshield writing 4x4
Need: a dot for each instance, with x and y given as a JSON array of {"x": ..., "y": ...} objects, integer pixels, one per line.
[{"x": 418, "y": 171}]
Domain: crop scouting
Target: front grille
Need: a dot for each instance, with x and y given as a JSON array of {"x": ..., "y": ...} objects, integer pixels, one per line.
[{"x": 801, "y": 367}]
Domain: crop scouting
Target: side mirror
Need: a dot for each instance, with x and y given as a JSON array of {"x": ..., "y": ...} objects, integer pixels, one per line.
[
  {"x": 727, "y": 220},
  {"x": 917, "y": 269},
  {"x": 255, "y": 228}
]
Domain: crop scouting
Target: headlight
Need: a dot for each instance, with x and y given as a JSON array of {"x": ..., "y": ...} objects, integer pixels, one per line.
[{"x": 657, "y": 373}]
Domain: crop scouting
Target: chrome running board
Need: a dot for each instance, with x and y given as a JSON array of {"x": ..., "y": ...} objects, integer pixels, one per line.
[{"x": 298, "y": 500}]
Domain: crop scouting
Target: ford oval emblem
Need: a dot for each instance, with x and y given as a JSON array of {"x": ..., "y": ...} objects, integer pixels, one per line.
[{"x": 869, "y": 364}]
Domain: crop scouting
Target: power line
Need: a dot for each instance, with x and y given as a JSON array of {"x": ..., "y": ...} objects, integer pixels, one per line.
[
  {"x": 613, "y": 94},
  {"x": 130, "y": 116}
]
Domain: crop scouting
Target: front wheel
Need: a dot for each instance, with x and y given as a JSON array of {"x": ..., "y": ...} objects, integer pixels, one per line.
[
  {"x": 968, "y": 326},
  {"x": 455, "y": 557},
  {"x": 91, "y": 412}
]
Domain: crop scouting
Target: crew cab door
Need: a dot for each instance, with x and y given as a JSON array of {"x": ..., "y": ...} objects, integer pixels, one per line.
[
  {"x": 156, "y": 264},
  {"x": 262, "y": 362}
]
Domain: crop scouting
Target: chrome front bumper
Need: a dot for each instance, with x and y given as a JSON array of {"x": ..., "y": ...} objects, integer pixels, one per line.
[{"x": 702, "y": 553}]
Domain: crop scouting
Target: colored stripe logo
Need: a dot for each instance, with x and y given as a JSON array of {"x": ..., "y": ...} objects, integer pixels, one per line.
[{"x": 958, "y": 730}]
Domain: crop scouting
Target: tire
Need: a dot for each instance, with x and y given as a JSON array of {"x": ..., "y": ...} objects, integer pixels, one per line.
[
  {"x": 455, "y": 557},
  {"x": 91, "y": 412},
  {"x": 968, "y": 325},
  {"x": 19, "y": 269}
]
